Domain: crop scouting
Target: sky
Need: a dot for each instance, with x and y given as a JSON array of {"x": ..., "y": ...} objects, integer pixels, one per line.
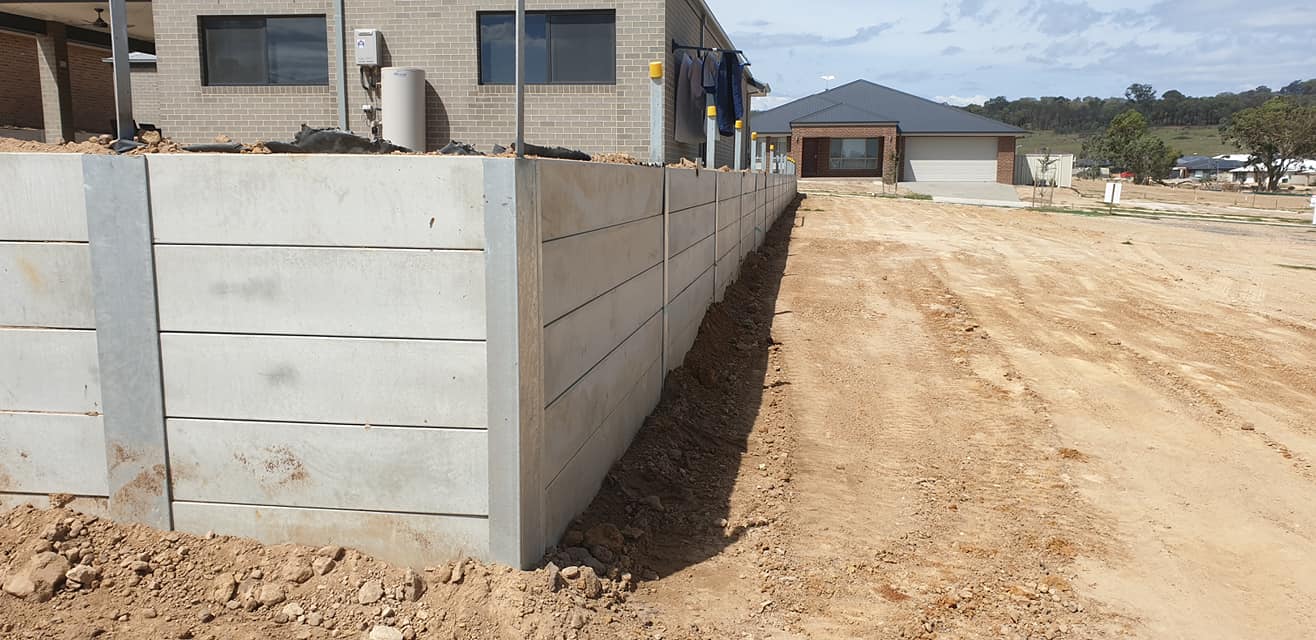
[{"x": 966, "y": 51}]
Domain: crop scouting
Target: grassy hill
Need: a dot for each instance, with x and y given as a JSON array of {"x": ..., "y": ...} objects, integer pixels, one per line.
[{"x": 1201, "y": 141}]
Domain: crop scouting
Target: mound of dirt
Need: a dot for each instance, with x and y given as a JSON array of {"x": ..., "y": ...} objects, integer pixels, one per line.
[
  {"x": 14, "y": 145},
  {"x": 70, "y": 575}
]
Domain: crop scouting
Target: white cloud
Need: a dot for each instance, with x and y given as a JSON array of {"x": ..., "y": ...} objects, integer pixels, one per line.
[{"x": 959, "y": 101}]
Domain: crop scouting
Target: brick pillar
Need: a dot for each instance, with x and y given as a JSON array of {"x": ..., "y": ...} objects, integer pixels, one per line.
[
  {"x": 56, "y": 87},
  {"x": 1005, "y": 147}
]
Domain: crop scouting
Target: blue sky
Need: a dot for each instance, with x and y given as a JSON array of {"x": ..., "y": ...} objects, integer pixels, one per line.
[{"x": 963, "y": 51}]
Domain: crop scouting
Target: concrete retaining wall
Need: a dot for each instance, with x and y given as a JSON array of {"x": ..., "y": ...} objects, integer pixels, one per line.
[
  {"x": 51, "y": 436},
  {"x": 415, "y": 356}
]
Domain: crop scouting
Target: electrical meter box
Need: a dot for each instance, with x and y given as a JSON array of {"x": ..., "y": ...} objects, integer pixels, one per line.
[{"x": 367, "y": 47}]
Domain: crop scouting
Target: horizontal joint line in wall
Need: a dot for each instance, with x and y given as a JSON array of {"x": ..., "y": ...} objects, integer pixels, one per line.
[
  {"x": 605, "y": 357},
  {"x": 323, "y": 423},
  {"x": 48, "y": 412},
  {"x": 81, "y": 243},
  {"x": 656, "y": 362},
  {"x": 316, "y": 336},
  {"x": 46, "y": 494},
  {"x": 618, "y": 286},
  {"x": 604, "y": 228},
  {"x": 22, "y": 327},
  {"x": 242, "y": 245},
  {"x": 693, "y": 206},
  {"x": 691, "y": 284},
  {"x": 692, "y": 245},
  {"x": 473, "y": 516}
]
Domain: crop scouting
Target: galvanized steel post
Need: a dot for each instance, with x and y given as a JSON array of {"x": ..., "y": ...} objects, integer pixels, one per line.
[
  {"x": 710, "y": 144},
  {"x": 123, "y": 92},
  {"x": 520, "y": 78},
  {"x": 656, "y": 151},
  {"x": 740, "y": 145}
]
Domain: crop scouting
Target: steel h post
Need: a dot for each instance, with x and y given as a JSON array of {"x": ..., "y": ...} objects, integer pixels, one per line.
[
  {"x": 710, "y": 143},
  {"x": 520, "y": 78},
  {"x": 656, "y": 151},
  {"x": 123, "y": 91},
  {"x": 740, "y": 145}
]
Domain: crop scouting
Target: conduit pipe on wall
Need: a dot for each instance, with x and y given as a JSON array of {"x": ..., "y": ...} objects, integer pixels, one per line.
[{"x": 341, "y": 27}]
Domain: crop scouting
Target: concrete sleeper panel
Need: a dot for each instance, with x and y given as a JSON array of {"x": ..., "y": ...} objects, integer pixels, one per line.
[
  {"x": 379, "y": 293},
  {"x": 330, "y": 466},
  {"x": 425, "y": 383},
  {"x": 46, "y": 284}
]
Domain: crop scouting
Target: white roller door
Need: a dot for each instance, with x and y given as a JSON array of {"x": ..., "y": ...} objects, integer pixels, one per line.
[{"x": 950, "y": 159}]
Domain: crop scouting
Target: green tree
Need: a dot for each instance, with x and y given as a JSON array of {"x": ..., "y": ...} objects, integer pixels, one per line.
[
  {"x": 1127, "y": 144},
  {"x": 1140, "y": 94},
  {"x": 1276, "y": 134}
]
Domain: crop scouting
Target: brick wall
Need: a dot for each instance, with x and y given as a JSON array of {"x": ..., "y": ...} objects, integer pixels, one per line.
[
  {"x": 92, "y": 83},
  {"x": 887, "y": 133},
  {"x": 20, "y": 99},
  {"x": 146, "y": 94},
  {"x": 440, "y": 38},
  {"x": 686, "y": 21},
  {"x": 1005, "y": 147}
]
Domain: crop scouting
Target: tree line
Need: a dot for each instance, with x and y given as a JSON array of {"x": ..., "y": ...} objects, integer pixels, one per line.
[{"x": 1172, "y": 108}]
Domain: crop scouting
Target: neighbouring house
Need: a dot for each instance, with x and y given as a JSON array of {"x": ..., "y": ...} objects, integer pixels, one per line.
[
  {"x": 1205, "y": 168},
  {"x": 1301, "y": 173},
  {"x": 864, "y": 129},
  {"x": 258, "y": 69}
]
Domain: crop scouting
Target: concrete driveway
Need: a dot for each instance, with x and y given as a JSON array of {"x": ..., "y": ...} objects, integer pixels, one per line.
[{"x": 988, "y": 193}]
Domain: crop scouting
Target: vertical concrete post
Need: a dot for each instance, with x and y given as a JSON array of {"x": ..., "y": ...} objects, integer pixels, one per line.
[
  {"x": 667, "y": 251},
  {"x": 123, "y": 89},
  {"x": 710, "y": 138},
  {"x": 128, "y": 338},
  {"x": 740, "y": 145},
  {"x": 56, "y": 86},
  {"x": 772, "y": 148},
  {"x": 657, "y": 154},
  {"x": 515, "y": 359}
]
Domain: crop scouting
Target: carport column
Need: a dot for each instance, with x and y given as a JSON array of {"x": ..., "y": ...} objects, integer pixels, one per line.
[
  {"x": 128, "y": 338},
  {"x": 514, "y": 354},
  {"x": 56, "y": 91}
]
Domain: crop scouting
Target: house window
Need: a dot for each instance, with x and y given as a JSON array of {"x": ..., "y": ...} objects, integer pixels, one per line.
[
  {"x": 562, "y": 47},
  {"x": 264, "y": 50},
  {"x": 854, "y": 153}
]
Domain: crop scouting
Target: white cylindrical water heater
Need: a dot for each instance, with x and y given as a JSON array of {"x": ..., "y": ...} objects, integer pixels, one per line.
[{"x": 403, "y": 104}]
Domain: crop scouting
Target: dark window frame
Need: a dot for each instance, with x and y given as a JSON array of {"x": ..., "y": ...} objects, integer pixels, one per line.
[
  {"x": 205, "y": 67},
  {"x": 548, "y": 49}
]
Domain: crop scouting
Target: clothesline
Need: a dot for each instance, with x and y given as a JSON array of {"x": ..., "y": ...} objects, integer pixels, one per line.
[{"x": 676, "y": 47}]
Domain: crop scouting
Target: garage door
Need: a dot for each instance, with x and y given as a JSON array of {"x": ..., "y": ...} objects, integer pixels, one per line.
[{"x": 949, "y": 159}]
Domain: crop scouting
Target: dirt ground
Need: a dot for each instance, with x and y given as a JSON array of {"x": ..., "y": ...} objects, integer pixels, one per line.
[
  {"x": 909, "y": 420},
  {"x": 1182, "y": 201}
]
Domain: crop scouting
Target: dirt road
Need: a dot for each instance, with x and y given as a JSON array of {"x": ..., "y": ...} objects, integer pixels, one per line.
[
  {"x": 907, "y": 420},
  {"x": 995, "y": 423}
]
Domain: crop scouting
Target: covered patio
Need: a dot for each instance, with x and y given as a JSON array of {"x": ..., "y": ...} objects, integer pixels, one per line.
[{"x": 61, "y": 82}]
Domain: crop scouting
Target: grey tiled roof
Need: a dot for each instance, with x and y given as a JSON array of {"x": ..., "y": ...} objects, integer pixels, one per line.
[{"x": 862, "y": 101}]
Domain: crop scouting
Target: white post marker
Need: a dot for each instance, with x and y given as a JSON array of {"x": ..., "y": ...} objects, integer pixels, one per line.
[
  {"x": 740, "y": 145},
  {"x": 1313, "y": 210},
  {"x": 772, "y": 149},
  {"x": 710, "y": 142},
  {"x": 753, "y": 150},
  {"x": 1113, "y": 192}
]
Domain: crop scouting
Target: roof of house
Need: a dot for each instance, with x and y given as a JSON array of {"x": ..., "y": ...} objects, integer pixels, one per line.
[
  {"x": 1294, "y": 166},
  {"x": 864, "y": 102},
  {"x": 1206, "y": 163}
]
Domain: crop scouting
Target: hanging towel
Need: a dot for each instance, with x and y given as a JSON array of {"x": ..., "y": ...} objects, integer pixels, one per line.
[
  {"x": 689, "y": 102},
  {"x": 730, "y": 104}
]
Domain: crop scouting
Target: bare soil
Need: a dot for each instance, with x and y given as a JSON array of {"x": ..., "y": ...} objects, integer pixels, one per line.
[{"x": 908, "y": 420}]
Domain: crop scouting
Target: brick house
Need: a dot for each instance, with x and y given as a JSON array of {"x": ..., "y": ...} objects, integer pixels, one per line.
[
  {"x": 258, "y": 69},
  {"x": 863, "y": 129}
]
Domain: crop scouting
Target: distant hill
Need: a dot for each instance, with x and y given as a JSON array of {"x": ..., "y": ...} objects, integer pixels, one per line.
[
  {"x": 1190, "y": 124},
  {"x": 1202, "y": 141}
]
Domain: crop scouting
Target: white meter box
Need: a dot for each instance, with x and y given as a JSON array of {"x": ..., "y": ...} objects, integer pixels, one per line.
[{"x": 367, "y": 47}]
